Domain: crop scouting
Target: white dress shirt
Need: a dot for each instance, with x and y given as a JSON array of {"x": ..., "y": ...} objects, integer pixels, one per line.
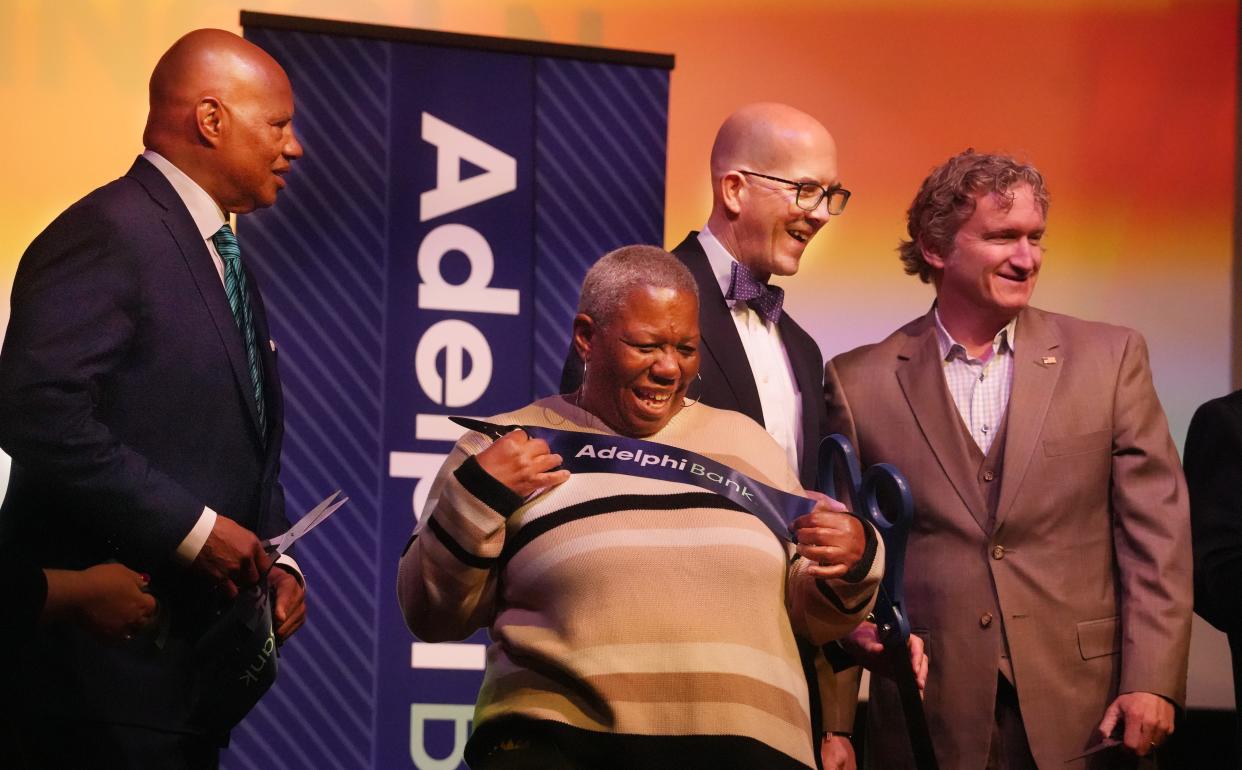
[
  {"x": 769, "y": 361},
  {"x": 208, "y": 217}
]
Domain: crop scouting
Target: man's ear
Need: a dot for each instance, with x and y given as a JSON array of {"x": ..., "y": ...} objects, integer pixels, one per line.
[
  {"x": 932, "y": 256},
  {"x": 732, "y": 192},
  {"x": 584, "y": 332},
  {"x": 209, "y": 120}
]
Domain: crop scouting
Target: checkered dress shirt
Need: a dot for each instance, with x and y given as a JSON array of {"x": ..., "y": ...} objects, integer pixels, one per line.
[{"x": 979, "y": 386}]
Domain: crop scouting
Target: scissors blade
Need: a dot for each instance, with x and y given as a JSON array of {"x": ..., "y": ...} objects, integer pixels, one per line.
[
  {"x": 315, "y": 522},
  {"x": 1107, "y": 743},
  {"x": 312, "y": 519},
  {"x": 323, "y": 504},
  {"x": 312, "y": 516},
  {"x": 486, "y": 428}
]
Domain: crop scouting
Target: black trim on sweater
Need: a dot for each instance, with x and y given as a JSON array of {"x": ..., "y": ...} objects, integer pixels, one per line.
[
  {"x": 486, "y": 488},
  {"x": 835, "y": 600},
  {"x": 862, "y": 568},
  {"x": 455, "y": 548}
]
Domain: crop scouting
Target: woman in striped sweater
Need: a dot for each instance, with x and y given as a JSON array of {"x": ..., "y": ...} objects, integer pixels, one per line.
[{"x": 638, "y": 618}]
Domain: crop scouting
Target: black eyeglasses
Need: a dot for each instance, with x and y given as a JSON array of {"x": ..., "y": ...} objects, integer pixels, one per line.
[{"x": 810, "y": 194}]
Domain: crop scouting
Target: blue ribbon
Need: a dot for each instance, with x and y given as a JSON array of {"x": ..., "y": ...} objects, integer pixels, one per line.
[{"x": 602, "y": 453}]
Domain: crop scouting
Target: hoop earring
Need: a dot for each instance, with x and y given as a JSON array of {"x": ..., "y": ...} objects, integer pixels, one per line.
[
  {"x": 581, "y": 387},
  {"x": 698, "y": 377}
]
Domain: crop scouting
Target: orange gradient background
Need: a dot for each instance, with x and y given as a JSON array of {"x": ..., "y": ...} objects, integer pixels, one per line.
[{"x": 1128, "y": 106}]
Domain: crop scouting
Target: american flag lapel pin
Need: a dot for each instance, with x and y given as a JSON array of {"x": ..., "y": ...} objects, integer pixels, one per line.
[{"x": 1048, "y": 360}]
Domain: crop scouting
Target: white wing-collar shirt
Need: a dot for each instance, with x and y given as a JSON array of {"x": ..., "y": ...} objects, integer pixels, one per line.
[{"x": 769, "y": 361}]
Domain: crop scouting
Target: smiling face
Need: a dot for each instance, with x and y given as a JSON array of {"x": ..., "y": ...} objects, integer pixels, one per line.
[
  {"x": 770, "y": 231},
  {"x": 641, "y": 361},
  {"x": 991, "y": 271},
  {"x": 257, "y": 146}
]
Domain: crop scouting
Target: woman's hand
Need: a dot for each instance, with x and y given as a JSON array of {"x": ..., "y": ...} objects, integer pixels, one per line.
[
  {"x": 521, "y": 463},
  {"x": 109, "y": 600},
  {"x": 829, "y": 537},
  {"x": 837, "y": 753}
]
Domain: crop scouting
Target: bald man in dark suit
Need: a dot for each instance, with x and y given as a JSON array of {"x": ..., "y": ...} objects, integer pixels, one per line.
[{"x": 140, "y": 402}]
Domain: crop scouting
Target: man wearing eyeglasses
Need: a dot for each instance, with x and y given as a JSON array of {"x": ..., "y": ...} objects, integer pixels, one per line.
[{"x": 774, "y": 186}]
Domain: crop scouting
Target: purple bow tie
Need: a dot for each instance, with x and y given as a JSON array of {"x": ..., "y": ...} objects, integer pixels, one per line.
[{"x": 763, "y": 299}]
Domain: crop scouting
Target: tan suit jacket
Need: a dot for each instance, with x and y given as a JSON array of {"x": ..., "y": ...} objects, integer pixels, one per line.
[{"x": 1087, "y": 571}]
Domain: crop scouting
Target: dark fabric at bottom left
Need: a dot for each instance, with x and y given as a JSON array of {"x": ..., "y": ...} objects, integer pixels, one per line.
[{"x": 56, "y": 744}]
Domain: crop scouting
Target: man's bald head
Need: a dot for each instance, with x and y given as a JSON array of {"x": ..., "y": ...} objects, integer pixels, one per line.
[
  {"x": 221, "y": 111},
  {"x": 755, "y": 217},
  {"x": 765, "y": 134}
]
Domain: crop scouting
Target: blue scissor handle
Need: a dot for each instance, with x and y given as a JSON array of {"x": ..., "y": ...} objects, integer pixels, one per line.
[{"x": 882, "y": 497}]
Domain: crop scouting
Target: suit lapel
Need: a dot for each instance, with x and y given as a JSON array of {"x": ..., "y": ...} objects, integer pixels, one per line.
[
  {"x": 1035, "y": 374},
  {"x": 273, "y": 397},
  {"x": 920, "y": 373},
  {"x": 203, "y": 271},
  {"x": 720, "y": 339},
  {"x": 809, "y": 375}
]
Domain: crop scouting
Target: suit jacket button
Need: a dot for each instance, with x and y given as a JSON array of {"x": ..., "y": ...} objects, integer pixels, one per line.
[
  {"x": 988, "y": 475},
  {"x": 998, "y": 552},
  {"x": 985, "y": 620}
]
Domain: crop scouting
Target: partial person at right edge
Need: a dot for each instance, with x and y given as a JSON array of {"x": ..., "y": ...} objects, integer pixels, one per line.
[{"x": 1213, "y": 460}]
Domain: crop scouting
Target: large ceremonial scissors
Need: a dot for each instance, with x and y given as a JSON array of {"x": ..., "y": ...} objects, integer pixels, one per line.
[{"x": 881, "y": 496}]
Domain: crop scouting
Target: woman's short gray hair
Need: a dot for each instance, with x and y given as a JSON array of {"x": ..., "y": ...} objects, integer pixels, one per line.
[{"x": 611, "y": 279}]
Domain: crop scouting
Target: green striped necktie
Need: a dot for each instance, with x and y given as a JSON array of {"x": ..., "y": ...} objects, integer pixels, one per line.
[{"x": 239, "y": 303}]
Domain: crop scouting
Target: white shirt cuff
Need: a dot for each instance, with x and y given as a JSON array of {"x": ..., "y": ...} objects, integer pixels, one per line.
[
  {"x": 285, "y": 560},
  {"x": 187, "y": 552}
]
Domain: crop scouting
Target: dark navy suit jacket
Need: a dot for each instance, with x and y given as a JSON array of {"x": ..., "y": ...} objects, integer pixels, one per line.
[
  {"x": 126, "y": 405},
  {"x": 1213, "y": 459}
]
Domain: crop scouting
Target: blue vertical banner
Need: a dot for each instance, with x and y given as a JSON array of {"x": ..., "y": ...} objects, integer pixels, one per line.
[
  {"x": 424, "y": 261},
  {"x": 599, "y": 164},
  {"x": 460, "y": 285}
]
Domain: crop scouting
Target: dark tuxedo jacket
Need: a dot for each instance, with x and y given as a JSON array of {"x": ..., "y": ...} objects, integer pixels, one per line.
[
  {"x": 1214, "y": 475},
  {"x": 126, "y": 405},
  {"x": 727, "y": 379}
]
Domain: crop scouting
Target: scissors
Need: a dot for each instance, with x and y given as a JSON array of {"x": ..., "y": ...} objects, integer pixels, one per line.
[
  {"x": 313, "y": 518},
  {"x": 882, "y": 497}
]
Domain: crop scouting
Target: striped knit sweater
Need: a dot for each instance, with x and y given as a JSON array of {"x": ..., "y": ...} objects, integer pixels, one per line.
[{"x": 625, "y": 605}]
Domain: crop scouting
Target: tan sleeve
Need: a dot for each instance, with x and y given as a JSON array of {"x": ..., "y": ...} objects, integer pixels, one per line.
[
  {"x": 447, "y": 577},
  {"x": 840, "y": 416},
  {"x": 1151, "y": 535},
  {"x": 838, "y": 695},
  {"x": 825, "y": 610}
]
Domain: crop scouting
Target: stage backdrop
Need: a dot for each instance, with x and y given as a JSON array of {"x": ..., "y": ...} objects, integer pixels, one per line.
[
  {"x": 1128, "y": 106},
  {"x": 454, "y": 191}
]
